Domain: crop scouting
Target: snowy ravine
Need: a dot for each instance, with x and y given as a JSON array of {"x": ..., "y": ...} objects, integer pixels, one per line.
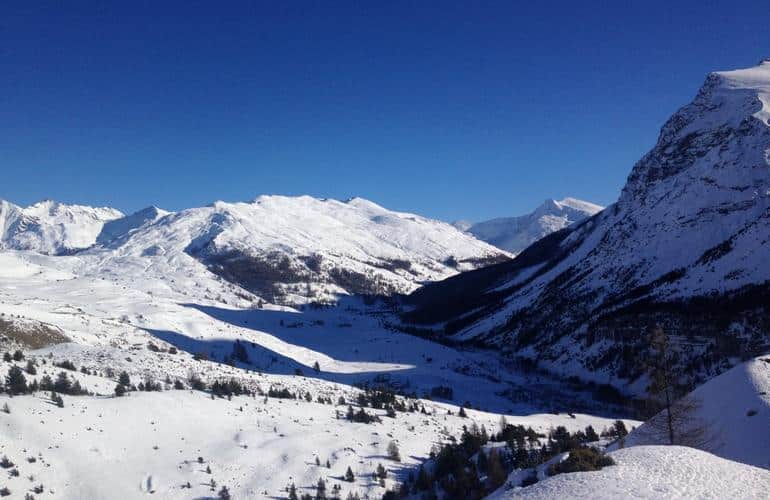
[
  {"x": 684, "y": 247},
  {"x": 514, "y": 234}
]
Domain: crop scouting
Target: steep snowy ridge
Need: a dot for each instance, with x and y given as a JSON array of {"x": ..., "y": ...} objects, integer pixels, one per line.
[
  {"x": 514, "y": 234},
  {"x": 685, "y": 247},
  {"x": 50, "y": 227}
]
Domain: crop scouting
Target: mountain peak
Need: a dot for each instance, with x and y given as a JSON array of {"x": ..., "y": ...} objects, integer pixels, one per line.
[{"x": 514, "y": 234}]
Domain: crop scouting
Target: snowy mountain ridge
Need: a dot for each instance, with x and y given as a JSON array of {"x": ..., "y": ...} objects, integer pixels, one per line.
[
  {"x": 282, "y": 249},
  {"x": 51, "y": 227},
  {"x": 685, "y": 247},
  {"x": 514, "y": 234}
]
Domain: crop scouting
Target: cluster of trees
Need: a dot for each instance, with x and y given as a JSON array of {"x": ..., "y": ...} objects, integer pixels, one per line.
[
  {"x": 16, "y": 383},
  {"x": 361, "y": 416},
  {"x": 470, "y": 469},
  {"x": 16, "y": 356},
  {"x": 321, "y": 492},
  {"x": 229, "y": 388}
]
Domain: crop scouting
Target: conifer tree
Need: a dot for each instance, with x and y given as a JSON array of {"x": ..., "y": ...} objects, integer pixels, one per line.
[{"x": 15, "y": 382}]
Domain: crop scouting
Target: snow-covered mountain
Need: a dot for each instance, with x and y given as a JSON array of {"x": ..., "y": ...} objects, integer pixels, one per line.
[
  {"x": 514, "y": 234},
  {"x": 50, "y": 227},
  {"x": 684, "y": 247},
  {"x": 283, "y": 249}
]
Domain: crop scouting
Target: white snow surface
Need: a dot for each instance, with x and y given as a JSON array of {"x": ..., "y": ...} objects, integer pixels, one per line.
[
  {"x": 514, "y": 234},
  {"x": 653, "y": 472},
  {"x": 112, "y": 308},
  {"x": 734, "y": 408}
]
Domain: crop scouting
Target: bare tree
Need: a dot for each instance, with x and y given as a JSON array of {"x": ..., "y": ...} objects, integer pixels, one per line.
[{"x": 677, "y": 421}]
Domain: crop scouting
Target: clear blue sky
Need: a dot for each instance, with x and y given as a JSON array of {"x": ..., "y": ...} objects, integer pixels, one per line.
[{"x": 452, "y": 110}]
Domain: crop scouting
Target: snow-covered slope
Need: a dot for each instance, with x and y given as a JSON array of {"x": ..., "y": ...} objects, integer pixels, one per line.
[
  {"x": 153, "y": 320},
  {"x": 301, "y": 249},
  {"x": 514, "y": 234},
  {"x": 50, "y": 227},
  {"x": 733, "y": 411},
  {"x": 653, "y": 472},
  {"x": 685, "y": 247}
]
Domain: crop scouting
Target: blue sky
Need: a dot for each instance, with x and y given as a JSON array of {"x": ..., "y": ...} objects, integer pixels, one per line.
[{"x": 452, "y": 110}]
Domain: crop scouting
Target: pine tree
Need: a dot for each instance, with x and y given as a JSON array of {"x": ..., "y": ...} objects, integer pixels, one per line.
[
  {"x": 62, "y": 383},
  {"x": 293, "y": 492},
  {"x": 224, "y": 493},
  {"x": 495, "y": 470},
  {"x": 124, "y": 379},
  {"x": 46, "y": 384},
  {"x": 349, "y": 477},
  {"x": 15, "y": 382},
  {"x": 393, "y": 452},
  {"x": 18, "y": 355},
  {"x": 31, "y": 368},
  {"x": 320, "y": 490},
  {"x": 120, "y": 390},
  {"x": 591, "y": 435}
]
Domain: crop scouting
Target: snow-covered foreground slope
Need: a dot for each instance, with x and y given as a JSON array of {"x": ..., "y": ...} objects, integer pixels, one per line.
[
  {"x": 653, "y": 472},
  {"x": 514, "y": 234},
  {"x": 106, "y": 447},
  {"x": 734, "y": 411},
  {"x": 50, "y": 227},
  {"x": 102, "y": 447},
  {"x": 685, "y": 247}
]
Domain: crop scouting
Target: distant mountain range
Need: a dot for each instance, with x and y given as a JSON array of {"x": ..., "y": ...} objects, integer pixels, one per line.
[
  {"x": 514, "y": 234},
  {"x": 685, "y": 247},
  {"x": 50, "y": 227},
  {"x": 281, "y": 249}
]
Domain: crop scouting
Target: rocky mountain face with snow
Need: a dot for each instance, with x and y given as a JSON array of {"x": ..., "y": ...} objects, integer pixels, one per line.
[
  {"x": 51, "y": 228},
  {"x": 514, "y": 234},
  {"x": 684, "y": 247},
  {"x": 282, "y": 249}
]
